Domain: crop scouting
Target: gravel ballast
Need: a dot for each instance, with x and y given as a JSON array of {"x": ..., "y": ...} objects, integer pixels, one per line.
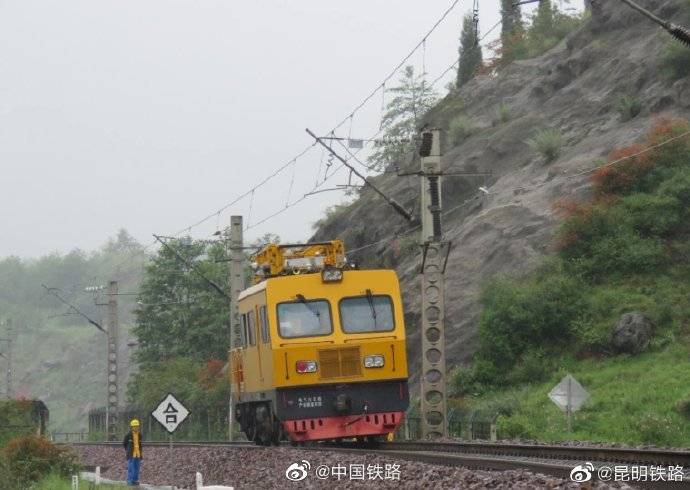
[{"x": 264, "y": 468}]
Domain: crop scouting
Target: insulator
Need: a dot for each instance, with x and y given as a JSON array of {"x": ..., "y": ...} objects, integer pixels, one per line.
[
  {"x": 435, "y": 208},
  {"x": 680, "y": 33},
  {"x": 427, "y": 142}
]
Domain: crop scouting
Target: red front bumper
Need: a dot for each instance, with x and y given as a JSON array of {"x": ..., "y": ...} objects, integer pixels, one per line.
[{"x": 343, "y": 426}]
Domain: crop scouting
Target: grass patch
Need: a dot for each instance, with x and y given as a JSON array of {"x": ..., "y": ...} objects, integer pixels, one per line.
[
  {"x": 503, "y": 113},
  {"x": 547, "y": 143},
  {"x": 675, "y": 61},
  {"x": 633, "y": 400},
  {"x": 57, "y": 482},
  {"x": 628, "y": 106},
  {"x": 459, "y": 128}
]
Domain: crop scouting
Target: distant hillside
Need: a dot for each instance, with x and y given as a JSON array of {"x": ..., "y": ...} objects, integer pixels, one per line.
[
  {"x": 59, "y": 357},
  {"x": 576, "y": 88}
]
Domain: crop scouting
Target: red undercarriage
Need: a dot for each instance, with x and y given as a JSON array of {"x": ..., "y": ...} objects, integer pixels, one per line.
[{"x": 370, "y": 424}]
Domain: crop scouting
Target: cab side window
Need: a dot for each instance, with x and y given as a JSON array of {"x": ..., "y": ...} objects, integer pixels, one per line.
[
  {"x": 251, "y": 328},
  {"x": 263, "y": 323},
  {"x": 243, "y": 330}
]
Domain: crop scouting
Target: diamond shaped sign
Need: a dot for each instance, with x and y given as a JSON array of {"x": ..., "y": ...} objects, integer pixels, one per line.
[
  {"x": 170, "y": 413},
  {"x": 569, "y": 393}
]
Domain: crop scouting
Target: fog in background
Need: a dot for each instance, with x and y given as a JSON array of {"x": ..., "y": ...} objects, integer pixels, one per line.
[{"x": 153, "y": 114}]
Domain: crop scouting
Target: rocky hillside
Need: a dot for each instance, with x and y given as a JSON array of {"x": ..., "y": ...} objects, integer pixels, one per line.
[{"x": 574, "y": 88}]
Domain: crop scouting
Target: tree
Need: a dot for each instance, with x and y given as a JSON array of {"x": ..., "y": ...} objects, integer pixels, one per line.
[
  {"x": 179, "y": 313},
  {"x": 543, "y": 25},
  {"x": 400, "y": 123},
  {"x": 470, "y": 51},
  {"x": 511, "y": 22}
]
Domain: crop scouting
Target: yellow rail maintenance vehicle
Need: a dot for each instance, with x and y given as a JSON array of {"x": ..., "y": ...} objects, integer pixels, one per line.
[{"x": 322, "y": 354}]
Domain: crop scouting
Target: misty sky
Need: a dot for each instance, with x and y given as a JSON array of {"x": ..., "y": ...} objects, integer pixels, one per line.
[{"x": 152, "y": 114}]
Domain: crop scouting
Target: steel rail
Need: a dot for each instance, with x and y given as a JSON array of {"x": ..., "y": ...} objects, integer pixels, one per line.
[
  {"x": 559, "y": 452},
  {"x": 550, "y": 459}
]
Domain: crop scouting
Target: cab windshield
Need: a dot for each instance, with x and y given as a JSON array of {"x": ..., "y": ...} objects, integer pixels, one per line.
[
  {"x": 366, "y": 314},
  {"x": 304, "y": 318}
]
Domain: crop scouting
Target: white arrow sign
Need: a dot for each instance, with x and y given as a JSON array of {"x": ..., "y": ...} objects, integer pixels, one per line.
[{"x": 170, "y": 413}]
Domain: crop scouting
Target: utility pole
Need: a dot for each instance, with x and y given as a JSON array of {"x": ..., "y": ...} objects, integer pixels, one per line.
[
  {"x": 112, "y": 331},
  {"x": 236, "y": 285},
  {"x": 8, "y": 358},
  {"x": 433, "y": 377}
]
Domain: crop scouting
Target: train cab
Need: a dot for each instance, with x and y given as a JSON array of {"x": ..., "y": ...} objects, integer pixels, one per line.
[{"x": 323, "y": 351}]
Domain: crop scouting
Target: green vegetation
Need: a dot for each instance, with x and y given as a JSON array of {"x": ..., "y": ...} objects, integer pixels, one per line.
[
  {"x": 470, "y": 52},
  {"x": 511, "y": 21},
  {"x": 15, "y": 420},
  {"x": 503, "y": 112},
  {"x": 548, "y": 143},
  {"x": 628, "y": 106},
  {"x": 58, "y": 354},
  {"x": 202, "y": 387},
  {"x": 625, "y": 250},
  {"x": 29, "y": 459},
  {"x": 548, "y": 27},
  {"x": 411, "y": 100},
  {"x": 459, "y": 128},
  {"x": 675, "y": 62},
  {"x": 179, "y": 314},
  {"x": 633, "y": 400},
  {"x": 180, "y": 320},
  {"x": 330, "y": 216},
  {"x": 57, "y": 482}
]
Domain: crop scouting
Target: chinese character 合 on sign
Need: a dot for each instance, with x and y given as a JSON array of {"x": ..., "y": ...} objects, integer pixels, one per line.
[{"x": 170, "y": 414}]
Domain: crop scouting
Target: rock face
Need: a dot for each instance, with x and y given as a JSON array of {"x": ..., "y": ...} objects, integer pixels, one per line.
[
  {"x": 574, "y": 87},
  {"x": 632, "y": 333}
]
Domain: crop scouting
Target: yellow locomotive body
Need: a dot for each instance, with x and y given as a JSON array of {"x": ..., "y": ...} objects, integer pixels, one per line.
[{"x": 323, "y": 351}]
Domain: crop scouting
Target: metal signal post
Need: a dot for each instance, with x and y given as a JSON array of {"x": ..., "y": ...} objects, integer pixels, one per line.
[
  {"x": 433, "y": 375},
  {"x": 9, "y": 359},
  {"x": 236, "y": 285},
  {"x": 112, "y": 332}
]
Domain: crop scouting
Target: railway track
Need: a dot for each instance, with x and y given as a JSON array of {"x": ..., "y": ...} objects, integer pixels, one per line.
[{"x": 552, "y": 460}]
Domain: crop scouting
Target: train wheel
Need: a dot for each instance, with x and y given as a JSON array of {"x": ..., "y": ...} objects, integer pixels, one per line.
[
  {"x": 277, "y": 433},
  {"x": 253, "y": 434},
  {"x": 373, "y": 441}
]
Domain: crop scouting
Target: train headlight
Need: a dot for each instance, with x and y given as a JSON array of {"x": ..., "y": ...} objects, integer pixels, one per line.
[
  {"x": 305, "y": 366},
  {"x": 375, "y": 361},
  {"x": 331, "y": 275}
]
